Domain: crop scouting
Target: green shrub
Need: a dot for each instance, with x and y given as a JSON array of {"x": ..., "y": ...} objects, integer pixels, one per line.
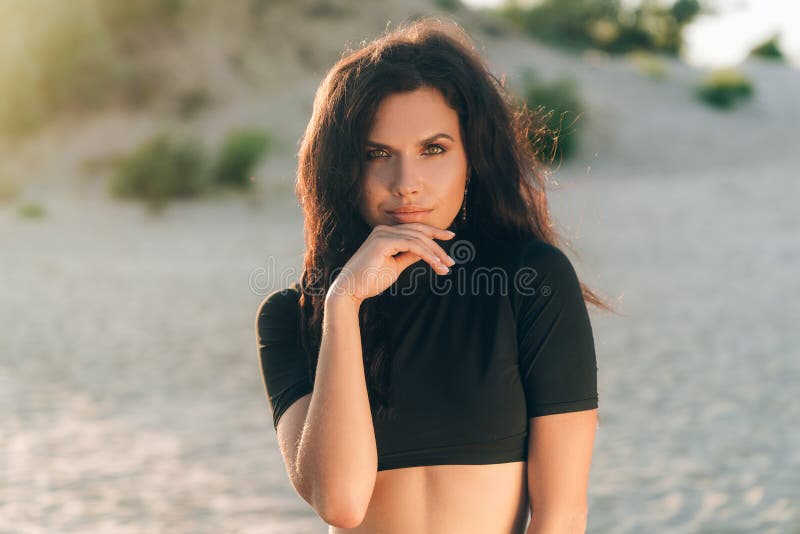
[
  {"x": 448, "y": 5},
  {"x": 240, "y": 153},
  {"x": 31, "y": 210},
  {"x": 769, "y": 49},
  {"x": 724, "y": 88},
  {"x": 160, "y": 170},
  {"x": 609, "y": 25},
  {"x": 684, "y": 11},
  {"x": 558, "y": 103}
]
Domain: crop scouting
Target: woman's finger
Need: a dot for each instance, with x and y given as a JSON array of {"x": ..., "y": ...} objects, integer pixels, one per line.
[
  {"x": 426, "y": 240},
  {"x": 399, "y": 244}
]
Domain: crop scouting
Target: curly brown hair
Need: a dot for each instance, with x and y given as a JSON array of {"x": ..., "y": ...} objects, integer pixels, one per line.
[{"x": 507, "y": 185}]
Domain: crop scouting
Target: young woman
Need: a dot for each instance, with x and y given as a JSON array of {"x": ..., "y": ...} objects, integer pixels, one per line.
[{"x": 433, "y": 369}]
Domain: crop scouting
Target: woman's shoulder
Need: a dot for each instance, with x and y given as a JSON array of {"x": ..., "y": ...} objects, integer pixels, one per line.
[
  {"x": 527, "y": 252},
  {"x": 280, "y": 301},
  {"x": 534, "y": 251},
  {"x": 535, "y": 265}
]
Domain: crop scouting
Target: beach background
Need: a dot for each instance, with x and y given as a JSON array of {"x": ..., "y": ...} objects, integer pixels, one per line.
[{"x": 130, "y": 391}]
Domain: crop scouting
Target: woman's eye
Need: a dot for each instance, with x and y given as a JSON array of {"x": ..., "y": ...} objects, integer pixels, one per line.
[
  {"x": 370, "y": 153},
  {"x": 440, "y": 147}
]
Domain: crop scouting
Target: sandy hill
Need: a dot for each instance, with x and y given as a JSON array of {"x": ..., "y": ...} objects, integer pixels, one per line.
[{"x": 261, "y": 62}]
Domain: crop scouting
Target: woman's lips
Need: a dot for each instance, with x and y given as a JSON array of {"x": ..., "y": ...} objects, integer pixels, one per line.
[{"x": 408, "y": 216}]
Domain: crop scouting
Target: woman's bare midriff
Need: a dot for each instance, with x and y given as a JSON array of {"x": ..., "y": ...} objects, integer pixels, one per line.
[{"x": 447, "y": 499}]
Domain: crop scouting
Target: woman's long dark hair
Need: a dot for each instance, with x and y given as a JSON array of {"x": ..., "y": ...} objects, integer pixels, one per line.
[{"x": 507, "y": 196}]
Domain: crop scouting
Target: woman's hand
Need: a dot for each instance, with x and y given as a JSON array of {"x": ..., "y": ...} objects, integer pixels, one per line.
[{"x": 387, "y": 252}]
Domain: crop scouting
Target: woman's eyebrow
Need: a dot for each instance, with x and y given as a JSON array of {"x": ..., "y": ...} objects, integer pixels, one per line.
[{"x": 421, "y": 143}]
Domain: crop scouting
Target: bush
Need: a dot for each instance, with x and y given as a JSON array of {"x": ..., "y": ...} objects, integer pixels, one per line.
[
  {"x": 240, "y": 153},
  {"x": 160, "y": 170},
  {"x": 448, "y": 5},
  {"x": 608, "y": 25},
  {"x": 559, "y": 105},
  {"x": 31, "y": 210},
  {"x": 725, "y": 88},
  {"x": 769, "y": 49}
]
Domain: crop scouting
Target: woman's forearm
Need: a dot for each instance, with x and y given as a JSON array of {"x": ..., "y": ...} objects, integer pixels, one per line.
[{"x": 337, "y": 454}]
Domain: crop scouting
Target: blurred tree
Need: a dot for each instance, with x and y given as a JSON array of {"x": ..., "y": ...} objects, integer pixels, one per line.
[
  {"x": 448, "y": 5},
  {"x": 605, "y": 24},
  {"x": 684, "y": 11}
]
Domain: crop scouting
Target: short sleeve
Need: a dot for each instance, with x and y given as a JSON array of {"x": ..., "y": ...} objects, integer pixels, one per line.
[
  {"x": 284, "y": 365},
  {"x": 557, "y": 359}
]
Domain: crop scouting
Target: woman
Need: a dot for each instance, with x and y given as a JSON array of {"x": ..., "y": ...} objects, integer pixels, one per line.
[{"x": 450, "y": 395}]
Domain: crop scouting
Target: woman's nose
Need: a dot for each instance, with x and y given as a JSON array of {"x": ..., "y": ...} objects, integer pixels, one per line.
[{"x": 407, "y": 177}]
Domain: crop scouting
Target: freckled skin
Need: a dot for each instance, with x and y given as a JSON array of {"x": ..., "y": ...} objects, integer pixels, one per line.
[{"x": 440, "y": 499}]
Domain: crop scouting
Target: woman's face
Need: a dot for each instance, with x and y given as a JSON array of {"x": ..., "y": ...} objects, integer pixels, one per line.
[{"x": 414, "y": 157}]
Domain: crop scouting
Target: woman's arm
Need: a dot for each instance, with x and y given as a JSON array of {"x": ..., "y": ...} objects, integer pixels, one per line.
[
  {"x": 559, "y": 370},
  {"x": 337, "y": 456},
  {"x": 559, "y": 459}
]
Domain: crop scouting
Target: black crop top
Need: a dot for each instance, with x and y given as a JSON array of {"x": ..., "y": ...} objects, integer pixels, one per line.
[{"x": 474, "y": 358}]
